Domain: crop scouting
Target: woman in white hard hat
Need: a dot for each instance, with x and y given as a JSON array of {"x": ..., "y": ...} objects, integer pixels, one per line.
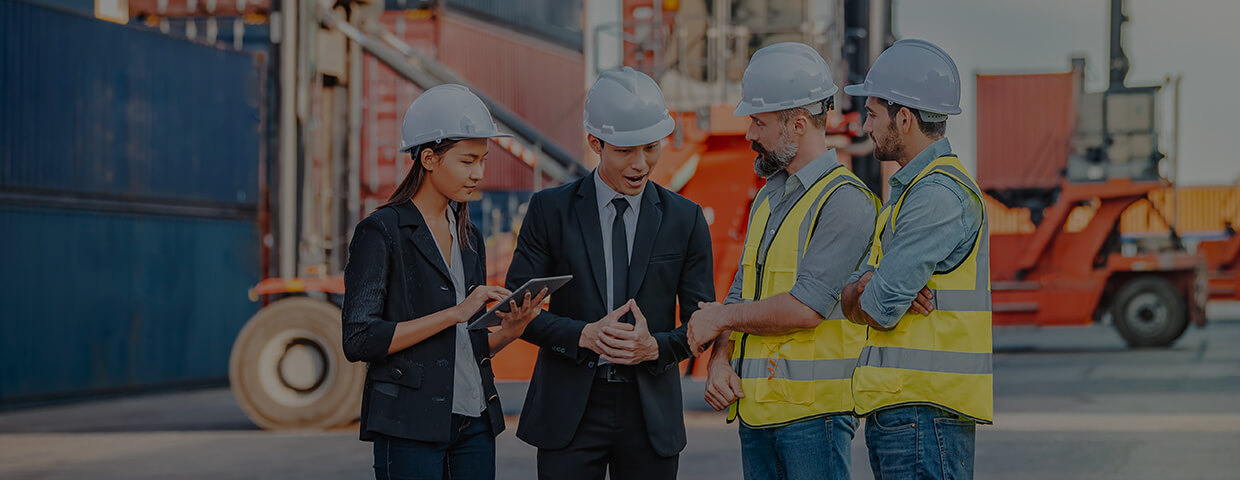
[{"x": 416, "y": 276}]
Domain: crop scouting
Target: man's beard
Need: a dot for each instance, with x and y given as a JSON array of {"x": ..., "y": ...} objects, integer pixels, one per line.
[
  {"x": 771, "y": 161},
  {"x": 889, "y": 150}
]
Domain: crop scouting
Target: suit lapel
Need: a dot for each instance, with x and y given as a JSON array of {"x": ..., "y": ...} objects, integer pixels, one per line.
[
  {"x": 648, "y": 223},
  {"x": 592, "y": 232},
  {"x": 420, "y": 236}
]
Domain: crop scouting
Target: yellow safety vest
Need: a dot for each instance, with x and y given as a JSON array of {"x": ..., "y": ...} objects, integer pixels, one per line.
[
  {"x": 942, "y": 359},
  {"x": 804, "y": 374}
]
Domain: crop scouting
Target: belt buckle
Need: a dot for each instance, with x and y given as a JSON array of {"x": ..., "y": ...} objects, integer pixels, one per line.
[{"x": 613, "y": 374}]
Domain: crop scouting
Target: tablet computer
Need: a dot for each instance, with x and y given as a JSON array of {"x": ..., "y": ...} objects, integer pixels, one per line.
[{"x": 534, "y": 285}]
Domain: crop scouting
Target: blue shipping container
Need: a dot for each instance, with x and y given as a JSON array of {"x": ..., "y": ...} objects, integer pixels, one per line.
[
  {"x": 95, "y": 301},
  {"x": 95, "y": 108},
  {"x": 128, "y": 188}
]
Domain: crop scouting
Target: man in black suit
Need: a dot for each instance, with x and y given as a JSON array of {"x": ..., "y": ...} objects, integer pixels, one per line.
[{"x": 605, "y": 393}]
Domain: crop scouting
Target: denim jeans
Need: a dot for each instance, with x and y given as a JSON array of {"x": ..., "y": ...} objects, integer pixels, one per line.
[
  {"x": 820, "y": 448},
  {"x": 921, "y": 442},
  {"x": 470, "y": 455}
]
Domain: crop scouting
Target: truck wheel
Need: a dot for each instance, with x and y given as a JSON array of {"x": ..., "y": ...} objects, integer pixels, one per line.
[
  {"x": 1149, "y": 312},
  {"x": 288, "y": 370}
]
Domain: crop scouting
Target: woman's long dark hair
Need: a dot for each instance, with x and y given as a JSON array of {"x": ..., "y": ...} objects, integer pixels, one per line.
[{"x": 417, "y": 176}]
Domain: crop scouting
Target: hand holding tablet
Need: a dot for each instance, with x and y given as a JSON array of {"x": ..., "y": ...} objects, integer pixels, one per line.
[{"x": 533, "y": 287}]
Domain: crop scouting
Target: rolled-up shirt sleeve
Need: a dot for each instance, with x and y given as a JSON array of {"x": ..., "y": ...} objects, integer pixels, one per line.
[
  {"x": 861, "y": 269},
  {"x": 931, "y": 225},
  {"x": 835, "y": 248},
  {"x": 734, "y": 292}
]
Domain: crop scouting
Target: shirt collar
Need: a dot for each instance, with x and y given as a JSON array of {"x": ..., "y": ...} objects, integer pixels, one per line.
[
  {"x": 808, "y": 174},
  {"x": 606, "y": 194},
  {"x": 451, "y": 214},
  {"x": 920, "y": 162},
  {"x": 814, "y": 170}
]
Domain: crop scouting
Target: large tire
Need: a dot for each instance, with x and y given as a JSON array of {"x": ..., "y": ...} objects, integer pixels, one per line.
[
  {"x": 1149, "y": 312},
  {"x": 288, "y": 370}
]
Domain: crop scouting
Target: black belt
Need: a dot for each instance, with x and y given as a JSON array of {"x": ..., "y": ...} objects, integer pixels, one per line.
[{"x": 613, "y": 373}]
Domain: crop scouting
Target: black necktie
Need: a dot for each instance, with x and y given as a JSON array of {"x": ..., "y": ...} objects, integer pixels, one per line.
[{"x": 619, "y": 256}]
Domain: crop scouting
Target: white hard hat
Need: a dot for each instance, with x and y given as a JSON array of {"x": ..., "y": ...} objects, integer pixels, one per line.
[
  {"x": 443, "y": 112},
  {"x": 783, "y": 76},
  {"x": 625, "y": 108},
  {"x": 916, "y": 74}
]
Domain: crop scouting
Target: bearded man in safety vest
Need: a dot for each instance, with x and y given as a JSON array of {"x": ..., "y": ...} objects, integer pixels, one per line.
[
  {"x": 784, "y": 353},
  {"x": 923, "y": 383}
]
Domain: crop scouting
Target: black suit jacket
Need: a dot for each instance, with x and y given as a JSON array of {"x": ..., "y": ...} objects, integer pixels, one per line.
[
  {"x": 395, "y": 273},
  {"x": 671, "y": 260}
]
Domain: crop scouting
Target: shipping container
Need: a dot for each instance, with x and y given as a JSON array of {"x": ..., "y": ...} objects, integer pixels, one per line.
[
  {"x": 1204, "y": 213},
  {"x": 97, "y": 109},
  {"x": 128, "y": 190},
  {"x": 109, "y": 301},
  {"x": 1024, "y": 129},
  {"x": 86, "y": 7},
  {"x": 558, "y": 21}
]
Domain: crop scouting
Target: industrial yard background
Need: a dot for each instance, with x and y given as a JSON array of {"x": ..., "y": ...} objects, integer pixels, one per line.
[{"x": 171, "y": 169}]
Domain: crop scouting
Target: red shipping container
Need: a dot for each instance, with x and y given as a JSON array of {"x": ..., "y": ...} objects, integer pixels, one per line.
[{"x": 1024, "y": 129}]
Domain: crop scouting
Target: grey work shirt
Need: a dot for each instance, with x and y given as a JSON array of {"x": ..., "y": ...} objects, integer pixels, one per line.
[
  {"x": 606, "y": 215},
  {"x": 843, "y": 233},
  {"x": 937, "y": 226},
  {"x": 466, "y": 378}
]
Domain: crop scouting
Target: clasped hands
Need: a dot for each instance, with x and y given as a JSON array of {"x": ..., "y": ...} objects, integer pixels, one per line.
[{"x": 618, "y": 342}]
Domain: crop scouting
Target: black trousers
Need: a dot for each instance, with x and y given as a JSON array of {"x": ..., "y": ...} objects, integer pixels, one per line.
[{"x": 612, "y": 437}]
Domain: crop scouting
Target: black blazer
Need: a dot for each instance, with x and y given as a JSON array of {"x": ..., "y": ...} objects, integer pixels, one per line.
[
  {"x": 395, "y": 273},
  {"x": 671, "y": 260}
]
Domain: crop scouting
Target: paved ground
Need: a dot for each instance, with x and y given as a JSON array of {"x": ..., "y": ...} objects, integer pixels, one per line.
[{"x": 1071, "y": 403}]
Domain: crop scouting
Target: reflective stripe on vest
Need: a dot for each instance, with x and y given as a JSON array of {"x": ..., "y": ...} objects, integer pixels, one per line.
[
  {"x": 804, "y": 374},
  {"x": 944, "y": 358}
]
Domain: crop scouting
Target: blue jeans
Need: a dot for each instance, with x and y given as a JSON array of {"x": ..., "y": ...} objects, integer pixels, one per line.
[
  {"x": 919, "y": 442},
  {"x": 820, "y": 448},
  {"x": 470, "y": 455}
]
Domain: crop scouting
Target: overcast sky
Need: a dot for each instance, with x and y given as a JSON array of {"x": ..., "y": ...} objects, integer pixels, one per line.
[{"x": 1197, "y": 38}]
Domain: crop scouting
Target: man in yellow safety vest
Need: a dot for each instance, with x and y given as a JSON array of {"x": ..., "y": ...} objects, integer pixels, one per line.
[{"x": 922, "y": 382}]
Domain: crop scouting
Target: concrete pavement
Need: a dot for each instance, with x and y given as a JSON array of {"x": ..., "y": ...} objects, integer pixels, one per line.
[{"x": 1071, "y": 403}]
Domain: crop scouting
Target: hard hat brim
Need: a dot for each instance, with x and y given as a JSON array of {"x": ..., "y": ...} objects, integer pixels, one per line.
[
  {"x": 745, "y": 109},
  {"x": 859, "y": 90},
  {"x": 407, "y": 148},
  {"x": 634, "y": 138}
]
